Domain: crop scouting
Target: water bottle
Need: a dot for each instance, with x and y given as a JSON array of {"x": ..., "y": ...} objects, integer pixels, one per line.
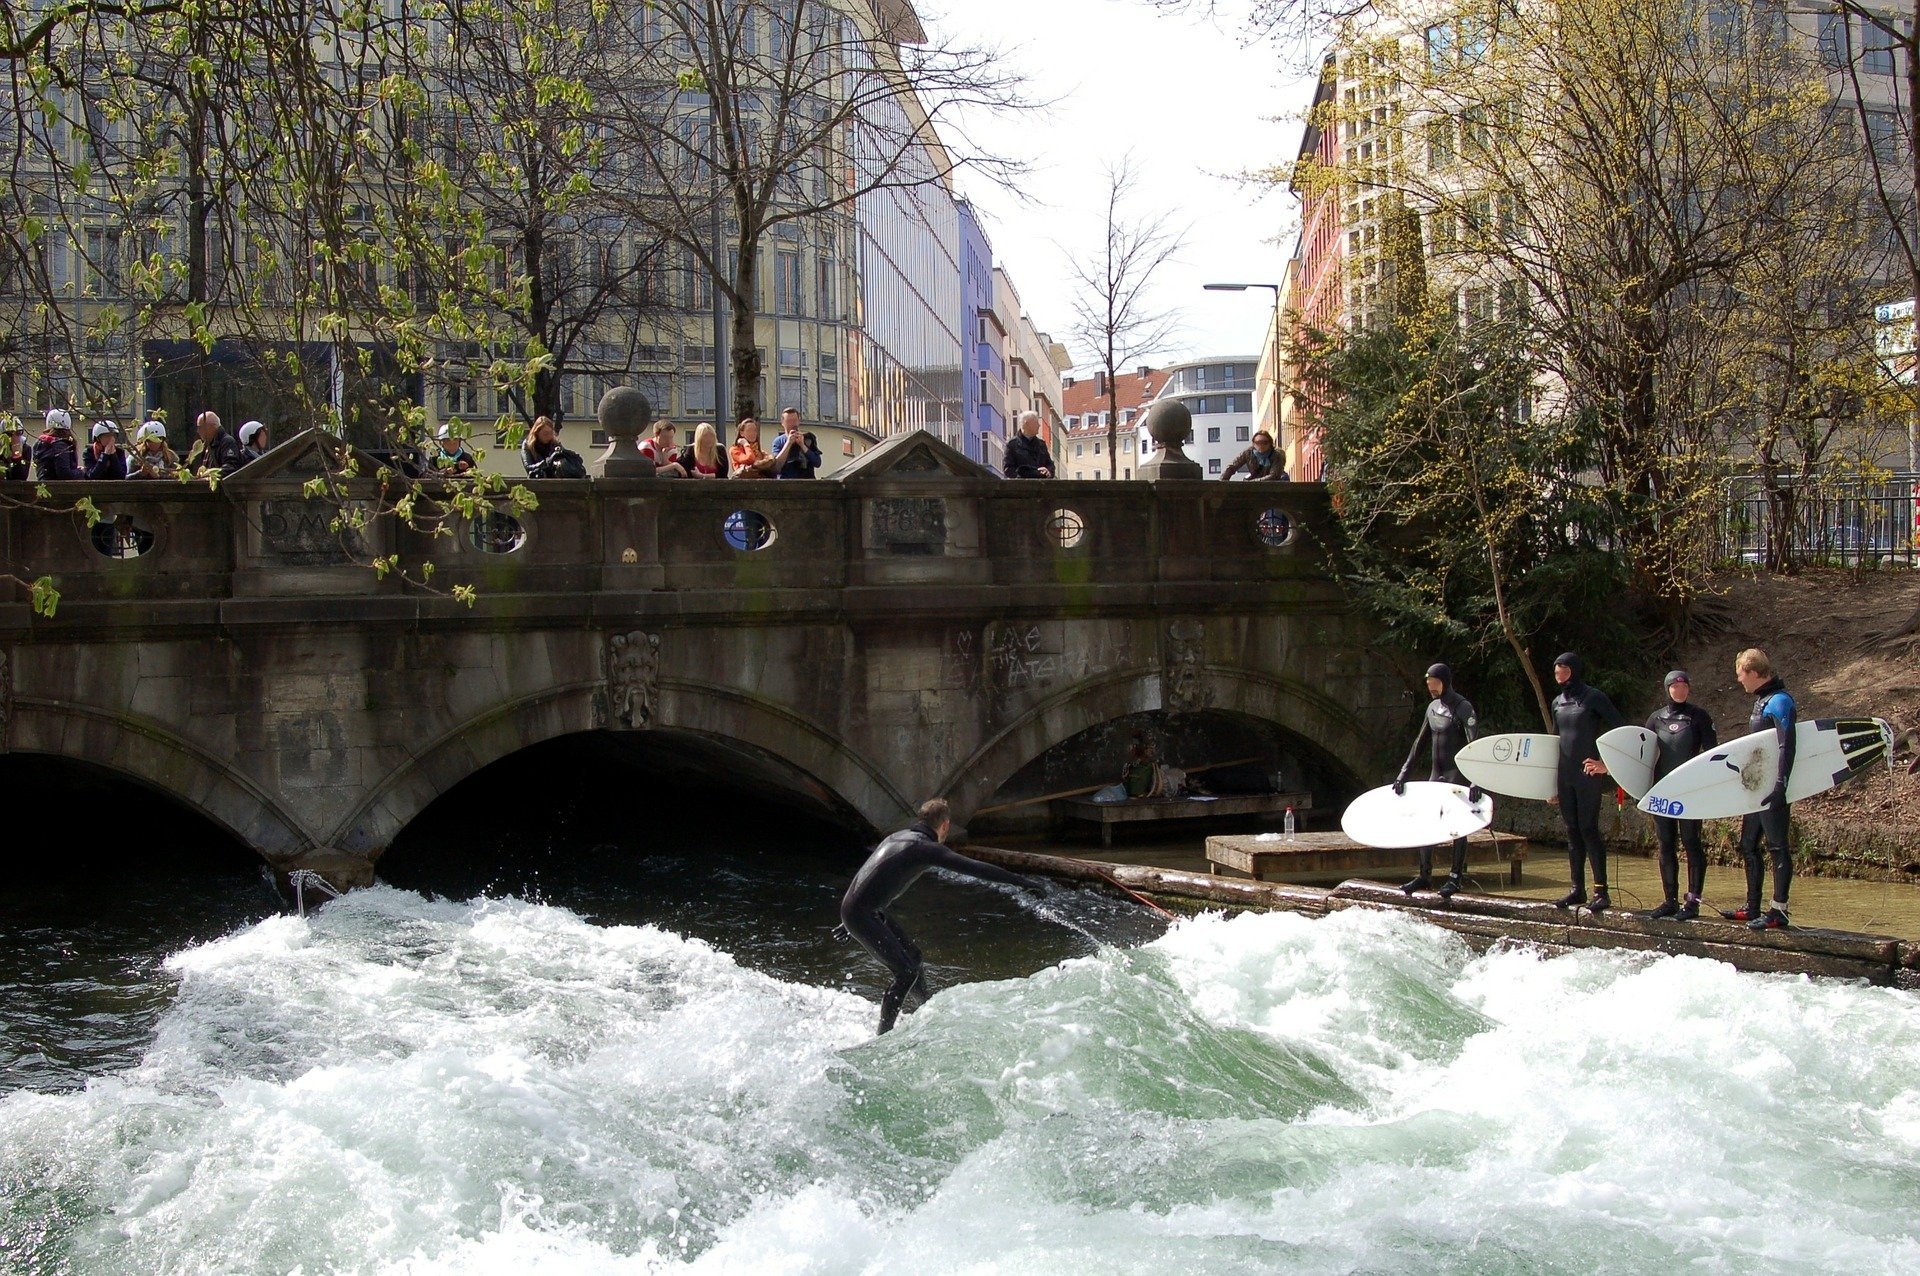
[{"x": 1287, "y": 824}]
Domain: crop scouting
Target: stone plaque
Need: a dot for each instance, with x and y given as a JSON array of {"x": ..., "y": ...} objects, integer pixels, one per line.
[
  {"x": 300, "y": 532},
  {"x": 909, "y": 524}
]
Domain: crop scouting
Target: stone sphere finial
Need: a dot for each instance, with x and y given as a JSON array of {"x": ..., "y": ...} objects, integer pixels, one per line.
[
  {"x": 1169, "y": 422},
  {"x": 624, "y": 413}
]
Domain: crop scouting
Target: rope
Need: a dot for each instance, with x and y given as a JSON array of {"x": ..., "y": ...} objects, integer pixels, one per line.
[
  {"x": 300, "y": 879},
  {"x": 1138, "y": 898}
]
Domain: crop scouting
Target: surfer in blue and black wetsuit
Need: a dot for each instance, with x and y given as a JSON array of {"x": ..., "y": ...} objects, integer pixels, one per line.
[
  {"x": 1582, "y": 714},
  {"x": 896, "y": 864},
  {"x": 1450, "y": 723},
  {"x": 1681, "y": 731},
  {"x": 1773, "y": 710}
]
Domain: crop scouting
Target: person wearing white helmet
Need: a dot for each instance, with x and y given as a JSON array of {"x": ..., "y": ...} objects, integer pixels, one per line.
[
  {"x": 253, "y": 442},
  {"x": 105, "y": 460},
  {"x": 449, "y": 456},
  {"x": 151, "y": 457},
  {"x": 54, "y": 456}
]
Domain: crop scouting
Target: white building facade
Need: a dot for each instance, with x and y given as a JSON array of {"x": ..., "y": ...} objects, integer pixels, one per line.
[{"x": 1220, "y": 395}]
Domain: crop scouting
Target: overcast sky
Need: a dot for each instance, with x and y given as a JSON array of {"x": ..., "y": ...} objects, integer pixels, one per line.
[{"x": 1193, "y": 106}]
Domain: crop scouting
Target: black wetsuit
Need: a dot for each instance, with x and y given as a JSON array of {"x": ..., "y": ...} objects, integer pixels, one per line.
[
  {"x": 1449, "y": 723},
  {"x": 1683, "y": 731},
  {"x": 896, "y": 864},
  {"x": 1582, "y": 714},
  {"x": 1772, "y": 708}
]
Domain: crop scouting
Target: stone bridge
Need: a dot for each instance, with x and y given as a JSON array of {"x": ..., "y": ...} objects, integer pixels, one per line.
[{"x": 915, "y": 626}]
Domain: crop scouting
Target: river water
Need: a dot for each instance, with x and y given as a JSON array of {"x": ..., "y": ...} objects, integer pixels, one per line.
[{"x": 667, "y": 1066}]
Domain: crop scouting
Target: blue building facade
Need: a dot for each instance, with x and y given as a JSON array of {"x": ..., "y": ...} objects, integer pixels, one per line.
[{"x": 984, "y": 374}]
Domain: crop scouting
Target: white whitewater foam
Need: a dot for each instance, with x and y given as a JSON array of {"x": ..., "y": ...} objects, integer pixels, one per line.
[{"x": 407, "y": 1086}]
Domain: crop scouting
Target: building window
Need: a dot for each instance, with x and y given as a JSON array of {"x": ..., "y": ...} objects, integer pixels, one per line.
[
  {"x": 1073, "y": 423},
  {"x": 1242, "y": 432},
  {"x": 1834, "y": 44},
  {"x": 1213, "y": 434},
  {"x": 1078, "y": 448},
  {"x": 1883, "y": 135},
  {"x": 1439, "y": 46},
  {"x": 1213, "y": 465},
  {"x": 1876, "y": 56},
  {"x": 1096, "y": 447}
]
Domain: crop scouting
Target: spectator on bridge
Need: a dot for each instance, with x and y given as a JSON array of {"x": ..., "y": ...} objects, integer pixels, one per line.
[
  {"x": 54, "y": 455},
  {"x": 253, "y": 442},
  {"x": 800, "y": 449},
  {"x": 544, "y": 456},
  {"x": 661, "y": 447},
  {"x": 105, "y": 460},
  {"x": 1027, "y": 456},
  {"x": 704, "y": 458},
  {"x": 16, "y": 454},
  {"x": 1261, "y": 462},
  {"x": 151, "y": 457},
  {"x": 450, "y": 457},
  {"x": 217, "y": 451},
  {"x": 746, "y": 459}
]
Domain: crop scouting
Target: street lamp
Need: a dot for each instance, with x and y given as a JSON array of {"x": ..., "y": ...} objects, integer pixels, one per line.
[{"x": 1276, "y": 348}]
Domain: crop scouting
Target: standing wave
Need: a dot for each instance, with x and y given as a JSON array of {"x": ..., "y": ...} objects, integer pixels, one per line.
[{"x": 410, "y": 1086}]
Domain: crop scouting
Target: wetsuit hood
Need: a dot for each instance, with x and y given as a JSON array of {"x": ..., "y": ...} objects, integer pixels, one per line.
[
  {"x": 1444, "y": 673},
  {"x": 1579, "y": 667}
]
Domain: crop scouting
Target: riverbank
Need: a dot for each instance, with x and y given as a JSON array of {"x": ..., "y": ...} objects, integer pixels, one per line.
[
  {"x": 1487, "y": 921},
  {"x": 1867, "y": 906}
]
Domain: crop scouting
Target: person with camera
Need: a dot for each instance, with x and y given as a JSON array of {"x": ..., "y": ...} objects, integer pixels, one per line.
[
  {"x": 746, "y": 459},
  {"x": 543, "y": 455},
  {"x": 151, "y": 458},
  {"x": 801, "y": 451},
  {"x": 105, "y": 460}
]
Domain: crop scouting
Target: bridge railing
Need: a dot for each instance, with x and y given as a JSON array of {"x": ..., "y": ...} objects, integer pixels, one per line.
[{"x": 260, "y": 537}]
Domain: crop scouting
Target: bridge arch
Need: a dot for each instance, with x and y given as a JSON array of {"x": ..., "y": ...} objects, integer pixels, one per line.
[
  {"x": 1315, "y": 720},
  {"x": 836, "y": 775},
  {"x": 146, "y": 751}
]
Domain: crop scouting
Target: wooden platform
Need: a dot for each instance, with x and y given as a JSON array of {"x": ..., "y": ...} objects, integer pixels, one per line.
[
  {"x": 1335, "y": 854},
  {"x": 1485, "y": 920},
  {"x": 1150, "y": 810}
]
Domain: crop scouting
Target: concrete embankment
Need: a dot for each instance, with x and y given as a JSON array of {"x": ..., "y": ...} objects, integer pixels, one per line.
[{"x": 1485, "y": 920}]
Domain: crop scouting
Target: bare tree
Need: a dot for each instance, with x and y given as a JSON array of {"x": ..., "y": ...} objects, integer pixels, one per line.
[{"x": 1114, "y": 314}]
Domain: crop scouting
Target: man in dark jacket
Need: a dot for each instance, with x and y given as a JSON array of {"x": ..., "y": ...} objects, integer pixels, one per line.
[
  {"x": 54, "y": 456},
  {"x": 106, "y": 459},
  {"x": 218, "y": 450},
  {"x": 1450, "y": 723},
  {"x": 896, "y": 864},
  {"x": 1582, "y": 714},
  {"x": 1682, "y": 731},
  {"x": 1773, "y": 710},
  {"x": 1027, "y": 456}
]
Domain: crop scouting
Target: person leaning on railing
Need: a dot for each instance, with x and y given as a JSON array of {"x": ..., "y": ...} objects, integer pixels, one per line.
[
  {"x": 747, "y": 459},
  {"x": 1261, "y": 462},
  {"x": 151, "y": 458},
  {"x": 1027, "y": 456}
]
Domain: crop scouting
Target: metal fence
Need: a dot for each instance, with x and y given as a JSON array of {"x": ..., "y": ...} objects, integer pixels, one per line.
[{"x": 1832, "y": 522}]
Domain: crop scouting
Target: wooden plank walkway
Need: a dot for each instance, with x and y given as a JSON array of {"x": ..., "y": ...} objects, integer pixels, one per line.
[
  {"x": 1152, "y": 810},
  {"x": 1263, "y": 856},
  {"x": 1484, "y": 920}
]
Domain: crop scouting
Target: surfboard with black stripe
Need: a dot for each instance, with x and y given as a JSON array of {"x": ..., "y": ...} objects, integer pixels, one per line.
[{"x": 1736, "y": 778}]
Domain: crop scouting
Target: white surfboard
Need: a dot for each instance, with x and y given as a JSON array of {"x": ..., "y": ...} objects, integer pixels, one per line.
[
  {"x": 1517, "y": 764},
  {"x": 1429, "y": 813},
  {"x": 1630, "y": 753},
  {"x": 1735, "y": 779}
]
